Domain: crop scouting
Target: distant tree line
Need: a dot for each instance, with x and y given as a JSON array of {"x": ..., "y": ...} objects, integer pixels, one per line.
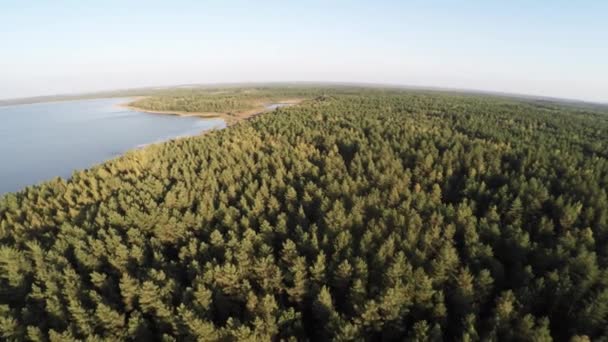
[{"x": 227, "y": 101}]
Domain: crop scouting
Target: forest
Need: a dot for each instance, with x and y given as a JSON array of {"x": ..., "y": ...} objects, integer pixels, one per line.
[
  {"x": 357, "y": 215},
  {"x": 228, "y": 103}
]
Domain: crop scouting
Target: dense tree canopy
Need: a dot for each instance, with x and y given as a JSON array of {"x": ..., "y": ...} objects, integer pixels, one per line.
[{"x": 356, "y": 215}]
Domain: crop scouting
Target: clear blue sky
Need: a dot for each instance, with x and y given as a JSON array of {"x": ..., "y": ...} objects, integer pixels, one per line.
[{"x": 542, "y": 47}]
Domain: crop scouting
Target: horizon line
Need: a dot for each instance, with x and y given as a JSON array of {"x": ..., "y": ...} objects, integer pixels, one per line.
[{"x": 93, "y": 93}]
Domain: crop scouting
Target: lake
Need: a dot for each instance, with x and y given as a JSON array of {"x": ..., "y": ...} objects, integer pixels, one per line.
[{"x": 44, "y": 140}]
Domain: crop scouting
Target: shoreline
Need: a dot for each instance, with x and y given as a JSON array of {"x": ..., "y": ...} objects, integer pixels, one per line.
[
  {"x": 176, "y": 113},
  {"x": 229, "y": 119}
]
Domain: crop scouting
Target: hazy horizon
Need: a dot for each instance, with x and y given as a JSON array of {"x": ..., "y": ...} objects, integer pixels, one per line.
[
  {"x": 547, "y": 49},
  {"x": 76, "y": 96}
]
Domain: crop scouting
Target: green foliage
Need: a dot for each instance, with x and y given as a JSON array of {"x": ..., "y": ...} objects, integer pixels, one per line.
[
  {"x": 229, "y": 101},
  {"x": 361, "y": 214}
]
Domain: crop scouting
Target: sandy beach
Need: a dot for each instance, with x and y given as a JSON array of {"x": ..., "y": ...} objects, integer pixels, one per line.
[{"x": 229, "y": 118}]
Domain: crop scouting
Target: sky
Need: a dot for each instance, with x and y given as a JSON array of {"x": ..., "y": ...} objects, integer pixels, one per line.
[{"x": 544, "y": 47}]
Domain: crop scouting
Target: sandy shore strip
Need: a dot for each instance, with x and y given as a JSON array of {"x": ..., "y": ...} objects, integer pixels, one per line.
[
  {"x": 229, "y": 118},
  {"x": 128, "y": 105}
]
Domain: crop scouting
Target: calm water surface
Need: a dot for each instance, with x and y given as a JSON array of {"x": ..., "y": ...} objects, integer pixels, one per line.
[{"x": 43, "y": 140}]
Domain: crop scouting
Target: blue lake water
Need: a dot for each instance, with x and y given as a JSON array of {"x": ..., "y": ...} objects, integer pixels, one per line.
[{"x": 44, "y": 140}]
